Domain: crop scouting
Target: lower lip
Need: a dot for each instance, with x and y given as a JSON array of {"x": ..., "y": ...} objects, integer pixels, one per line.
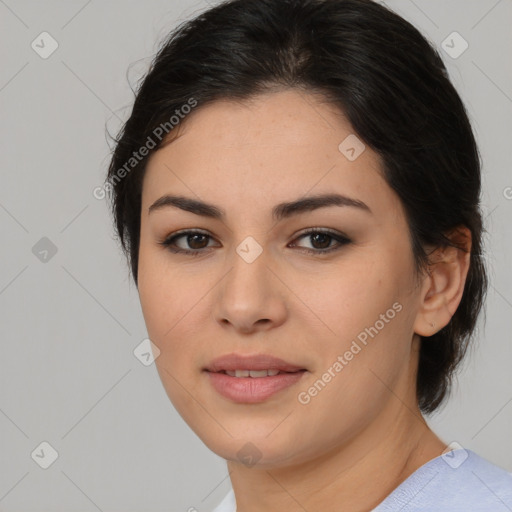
[{"x": 252, "y": 389}]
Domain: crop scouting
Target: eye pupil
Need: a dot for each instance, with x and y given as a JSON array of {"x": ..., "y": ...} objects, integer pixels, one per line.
[
  {"x": 194, "y": 236},
  {"x": 326, "y": 239}
]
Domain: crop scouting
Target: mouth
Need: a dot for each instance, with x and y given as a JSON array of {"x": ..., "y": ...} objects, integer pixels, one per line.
[
  {"x": 252, "y": 379},
  {"x": 255, "y": 365},
  {"x": 252, "y": 390},
  {"x": 256, "y": 374}
]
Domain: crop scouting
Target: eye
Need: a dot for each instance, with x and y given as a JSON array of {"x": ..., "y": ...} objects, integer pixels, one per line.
[
  {"x": 323, "y": 238},
  {"x": 198, "y": 241},
  {"x": 195, "y": 239}
]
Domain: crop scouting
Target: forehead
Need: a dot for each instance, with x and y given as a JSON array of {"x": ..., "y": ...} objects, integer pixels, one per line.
[{"x": 273, "y": 148}]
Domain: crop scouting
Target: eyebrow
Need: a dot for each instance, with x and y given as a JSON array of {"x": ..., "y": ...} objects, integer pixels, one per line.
[{"x": 279, "y": 212}]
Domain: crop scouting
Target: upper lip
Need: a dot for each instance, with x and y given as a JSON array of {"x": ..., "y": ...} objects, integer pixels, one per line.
[{"x": 233, "y": 362}]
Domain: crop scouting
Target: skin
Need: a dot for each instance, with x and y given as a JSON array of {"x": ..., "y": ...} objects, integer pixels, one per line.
[{"x": 363, "y": 434}]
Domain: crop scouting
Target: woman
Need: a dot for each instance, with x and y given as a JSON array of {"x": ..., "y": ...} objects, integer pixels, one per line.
[{"x": 297, "y": 191}]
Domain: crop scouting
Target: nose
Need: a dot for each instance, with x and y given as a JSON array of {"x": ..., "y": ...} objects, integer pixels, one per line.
[{"x": 251, "y": 297}]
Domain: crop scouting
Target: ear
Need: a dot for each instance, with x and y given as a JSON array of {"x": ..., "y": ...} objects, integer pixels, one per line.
[{"x": 443, "y": 285}]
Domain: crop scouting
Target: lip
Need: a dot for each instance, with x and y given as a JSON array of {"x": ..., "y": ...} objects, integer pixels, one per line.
[
  {"x": 251, "y": 389},
  {"x": 255, "y": 362}
]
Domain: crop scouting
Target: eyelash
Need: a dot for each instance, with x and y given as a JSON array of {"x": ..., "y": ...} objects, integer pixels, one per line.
[{"x": 341, "y": 239}]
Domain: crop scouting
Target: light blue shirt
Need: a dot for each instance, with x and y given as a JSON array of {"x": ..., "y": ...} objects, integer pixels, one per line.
[{"x": 458, "y": 481}]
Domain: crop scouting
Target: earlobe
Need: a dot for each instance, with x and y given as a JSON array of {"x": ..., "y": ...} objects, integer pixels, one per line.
[{"x": 444, "y": 283}]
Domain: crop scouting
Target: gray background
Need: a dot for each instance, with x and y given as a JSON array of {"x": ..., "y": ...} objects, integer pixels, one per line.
[{"x": 69, "y": 324}]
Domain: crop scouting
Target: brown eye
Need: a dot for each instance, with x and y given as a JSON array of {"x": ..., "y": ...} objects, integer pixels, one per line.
[
  {"x": 196, "y": 242},
  {"x": 321, "y": 241}
]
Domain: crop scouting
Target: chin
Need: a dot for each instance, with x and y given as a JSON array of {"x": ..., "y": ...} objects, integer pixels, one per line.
[{"x": 260, "y": 450}]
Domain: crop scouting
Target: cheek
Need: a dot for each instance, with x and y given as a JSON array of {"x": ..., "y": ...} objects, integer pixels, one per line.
[
  {"x": 359, "y": 367},
  {"x": 158, "y": 290},
  {"x": 167, "y": 311},
  {"x": 365, "y": 315},
  {"x": 351, "y": 297},
  {"x": 173, "y": 305}
]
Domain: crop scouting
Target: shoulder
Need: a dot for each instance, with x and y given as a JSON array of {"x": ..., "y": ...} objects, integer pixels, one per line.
[
  {"x": 228, "y": 504},
  {"x": 458, "y": 481}
]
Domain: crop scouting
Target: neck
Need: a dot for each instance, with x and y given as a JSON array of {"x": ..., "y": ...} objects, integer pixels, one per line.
[{"x": 354, "y": 477}]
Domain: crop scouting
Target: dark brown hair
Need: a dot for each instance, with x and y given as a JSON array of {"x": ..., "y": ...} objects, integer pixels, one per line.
[{"x": 382, "y": 74}]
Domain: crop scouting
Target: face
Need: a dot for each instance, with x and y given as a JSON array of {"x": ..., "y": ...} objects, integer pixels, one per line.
[{"x": 339, "y": 302}]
